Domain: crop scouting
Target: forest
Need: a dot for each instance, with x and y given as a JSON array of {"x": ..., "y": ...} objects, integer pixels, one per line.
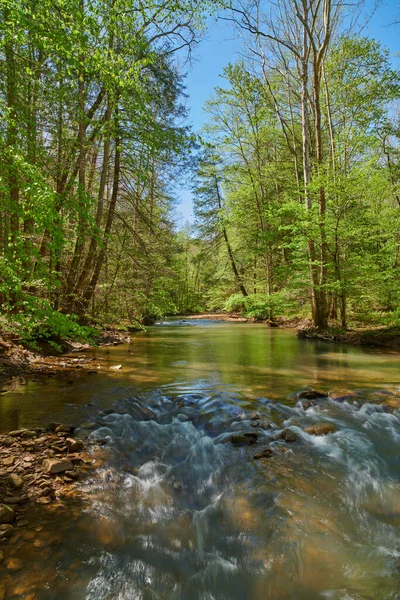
[{"x": 295, "y": 176}]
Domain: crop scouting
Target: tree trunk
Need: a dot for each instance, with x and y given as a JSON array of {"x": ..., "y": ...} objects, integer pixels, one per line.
[
  {"x": 11, "y": 99},
  {"x": 80, "y": 235},
  {"x": 110, "y": 216},
  {"x": 90, "y": 258},
  {"x": 236, "y": 273}
]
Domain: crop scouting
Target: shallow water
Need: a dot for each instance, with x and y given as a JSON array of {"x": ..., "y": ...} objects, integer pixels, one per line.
[{"x": 177, "y": 512}]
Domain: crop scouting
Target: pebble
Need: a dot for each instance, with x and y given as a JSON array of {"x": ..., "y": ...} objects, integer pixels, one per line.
[
  {"x": 74, "y": 445},
  {"x": 72, "y": 474},
  {"x": 40, "y": 543},
  {"x": 14, "y": 564},
  {"x": 41, "y": 440},
  {"x": 63, "y": 428},
  {"x": 43, "y": 500},
  {"x": 16, "y": 481},
  {"x": 267, "y": 453},
  {"x": 6, "y": 531},
  {"x": 15, "y": 499},
  {"x": 56, "y": 466},
  {"x": 7, "y": 514}
]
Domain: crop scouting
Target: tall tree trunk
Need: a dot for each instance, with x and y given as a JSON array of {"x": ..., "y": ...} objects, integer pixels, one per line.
[
  {"x": 80, "y": 235},
  {"x": 321, "y": 317},
  {"x": 110, "y": 216},
  {"x": 90, "y": 258},
  {"x": 11, "y": 99},
  {"x": 236, "y": 273}
]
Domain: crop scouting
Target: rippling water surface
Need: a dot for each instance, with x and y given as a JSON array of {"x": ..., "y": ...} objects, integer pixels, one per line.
[{"x": 176, "y": 511}]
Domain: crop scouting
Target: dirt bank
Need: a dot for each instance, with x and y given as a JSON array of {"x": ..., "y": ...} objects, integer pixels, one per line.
[
  {"x": 281, "y": 322},
  {"x": 16, "y": 359},
  {"x": 385, "y": 337}
]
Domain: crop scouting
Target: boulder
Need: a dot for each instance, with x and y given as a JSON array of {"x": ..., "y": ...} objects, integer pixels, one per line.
[
  {"x": 7, "y": 514},
  {"x": 321, "y": 429},
  {"x": 54, "y": 466}
]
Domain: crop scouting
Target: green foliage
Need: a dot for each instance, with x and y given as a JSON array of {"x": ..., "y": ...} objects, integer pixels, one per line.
[
  {"x": 34, "y": 321},
  {"x": 258, "y": 306}
]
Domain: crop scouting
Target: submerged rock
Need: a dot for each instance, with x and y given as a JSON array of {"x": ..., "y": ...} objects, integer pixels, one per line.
[
  {"x": 342, "y": 395},
  {"x": 14, "y": 564},
  {"x": 312, "y": 394},
  {"x": 244, "y": 438},
  {"x": 6, "y": 531},
  {"x": 321, "y": 429},
  {"x": 7, "y": 514},
  {"x": 288, "y": 436},
  {"x": 266, "y": 453},
  {"x": 253, "y": 416}
]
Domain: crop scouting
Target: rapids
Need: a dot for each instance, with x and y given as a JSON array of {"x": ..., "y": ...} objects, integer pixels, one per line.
[{"x": 177, "y": 511}]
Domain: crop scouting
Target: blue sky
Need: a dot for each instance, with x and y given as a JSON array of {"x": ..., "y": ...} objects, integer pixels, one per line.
[{"x": 220, "y": 46}]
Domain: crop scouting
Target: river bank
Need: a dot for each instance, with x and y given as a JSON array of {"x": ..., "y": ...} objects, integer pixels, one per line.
[
  {"x": 15, "y": 359},
  {"x": 384, "y": 337}
]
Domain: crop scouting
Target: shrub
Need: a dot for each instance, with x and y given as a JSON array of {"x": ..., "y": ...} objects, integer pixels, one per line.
[{"x": 258, "y": 306}]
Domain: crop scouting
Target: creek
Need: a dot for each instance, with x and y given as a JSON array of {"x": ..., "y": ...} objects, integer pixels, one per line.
[{"x": 177, "y": 511}]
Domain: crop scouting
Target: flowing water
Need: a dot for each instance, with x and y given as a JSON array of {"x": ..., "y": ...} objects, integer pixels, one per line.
[{"x": 176, "y": 511}]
